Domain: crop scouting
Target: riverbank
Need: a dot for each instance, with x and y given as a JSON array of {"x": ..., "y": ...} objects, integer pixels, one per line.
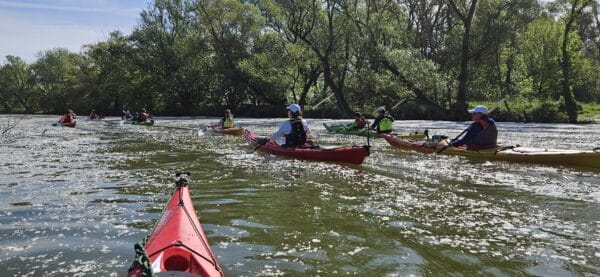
[{"x": 512, "y": 111}]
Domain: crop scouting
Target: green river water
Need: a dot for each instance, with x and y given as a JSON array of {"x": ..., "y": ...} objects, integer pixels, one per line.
[{"x": 74, "y": 201}]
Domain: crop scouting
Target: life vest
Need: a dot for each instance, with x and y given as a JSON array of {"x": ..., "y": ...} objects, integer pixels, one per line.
[
  {"x": 66, "y": 118},
  {"x": 487, "y": 137},
  {"x": 297, "y": 137},
  {"x": 227, "y": 123},
  {"x": 360, "y": 123},
  {"x": 142, "y": 117},
  {"x": 386, "y": 124}
]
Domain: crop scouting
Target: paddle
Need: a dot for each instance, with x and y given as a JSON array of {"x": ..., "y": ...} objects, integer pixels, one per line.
[
  {"x": 322, "y": 101},
  {"x": 262, "y": 144},
  {"x": 202, "y": 131},
  {"x": 494, "y": 107},
  {"x": 368, "y": 136}
]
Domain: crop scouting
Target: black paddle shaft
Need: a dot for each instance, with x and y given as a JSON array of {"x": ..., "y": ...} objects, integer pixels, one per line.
[{"x": 262, "y": 144}]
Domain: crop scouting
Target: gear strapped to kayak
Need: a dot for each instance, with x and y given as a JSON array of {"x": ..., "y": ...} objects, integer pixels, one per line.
[{"x": 177, "y": 242}]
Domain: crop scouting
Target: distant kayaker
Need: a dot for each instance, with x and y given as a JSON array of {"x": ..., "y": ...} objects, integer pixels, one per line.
[
  {"x": 482, "y": 133},
  {"x": 93, "y": 114},
  {"x": 359, "y": 122},
  {"x": 227, "y": 121},
  {"x": 68, "y": 117},
  {"x": 142, "y": 116},
  {"x": 384, "y": 123},
  {"x": 126, "y": 114},
  {"x": 295, "y": 130}
]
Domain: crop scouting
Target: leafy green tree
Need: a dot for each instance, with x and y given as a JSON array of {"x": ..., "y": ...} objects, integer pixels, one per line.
[{"x": 17, "y": 86}]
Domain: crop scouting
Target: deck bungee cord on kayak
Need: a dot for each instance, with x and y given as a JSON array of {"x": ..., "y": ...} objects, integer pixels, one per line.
[{"x": 176, "y": 242}]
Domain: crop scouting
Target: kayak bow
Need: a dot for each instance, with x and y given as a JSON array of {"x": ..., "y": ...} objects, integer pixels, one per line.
[
  {"x": 345, "y": 154},
  {"x": 177, "y": 242},
  {"x": 504, "y": 153}
]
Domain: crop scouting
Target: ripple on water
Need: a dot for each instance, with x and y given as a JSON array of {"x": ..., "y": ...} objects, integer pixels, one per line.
[{"x": 73, "y": 202}]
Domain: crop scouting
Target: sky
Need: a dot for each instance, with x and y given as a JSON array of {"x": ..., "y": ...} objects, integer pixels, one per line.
[{"x": 30, "y": 26}]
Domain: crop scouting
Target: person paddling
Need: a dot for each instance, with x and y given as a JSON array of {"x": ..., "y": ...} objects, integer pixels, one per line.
[
  {"x": 142, "y": 116},
  {"x": 68, "y": 117},
  {"x": 295, "y": 130},
  {"x": 384, "y": 123},
  {"x": 481, "y": 134},
  {"x": 227, "y": 121},
  {"x": 93, "y": 115},
  {"x": 359, "y": 122},
  {"x": 126, "y": 114}
]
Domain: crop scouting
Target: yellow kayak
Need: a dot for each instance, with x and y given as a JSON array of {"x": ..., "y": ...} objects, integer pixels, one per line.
[{"x": 589, "y": 158}]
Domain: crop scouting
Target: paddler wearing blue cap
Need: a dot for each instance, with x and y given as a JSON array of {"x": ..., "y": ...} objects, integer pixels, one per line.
[{"x": 481, "y": 134}]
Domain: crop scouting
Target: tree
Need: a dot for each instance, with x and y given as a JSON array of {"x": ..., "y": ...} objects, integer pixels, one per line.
[
  {"x": 16, "y": 86},
  {"x": 576, "y": 7}
]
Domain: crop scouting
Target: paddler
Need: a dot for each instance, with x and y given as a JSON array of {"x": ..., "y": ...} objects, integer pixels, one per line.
[
  {"x": 142, "y": 116},
  {"x": 359, "y": 122},
  {"x": 481, "y": 134},
  {"x": 295, "y": 130},
  {"x": 93, "y": 114},
  {"x": 125, "y": 113},
  {"x": 384, "y": 123},
  {"x": 68, "y": 117},
  {"x": 227, "y": 121}
]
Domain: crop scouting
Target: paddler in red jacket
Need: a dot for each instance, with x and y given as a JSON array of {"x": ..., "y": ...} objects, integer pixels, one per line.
[
  {"x": 142, "y": 116},
  {"x": 67, "y": 117},
  {"x": 359, "y": 122}
]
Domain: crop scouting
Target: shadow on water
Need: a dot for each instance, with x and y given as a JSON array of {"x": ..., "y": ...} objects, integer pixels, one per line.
[{"x": 75, "y": 200}]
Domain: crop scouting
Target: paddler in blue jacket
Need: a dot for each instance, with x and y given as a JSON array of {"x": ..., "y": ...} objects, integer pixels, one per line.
[{"x": 481, "y": 134}]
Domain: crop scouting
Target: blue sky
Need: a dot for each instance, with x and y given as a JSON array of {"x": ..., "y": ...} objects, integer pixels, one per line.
[{"x": 30, "y": 26}]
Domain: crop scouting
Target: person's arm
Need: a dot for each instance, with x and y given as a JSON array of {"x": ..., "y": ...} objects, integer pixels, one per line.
[
  {"x": 284, "y": 129},
  {"x": 473, "y": 131},
  {"x": 306, "y": 129},
  {"x": 375, "y": 123}
]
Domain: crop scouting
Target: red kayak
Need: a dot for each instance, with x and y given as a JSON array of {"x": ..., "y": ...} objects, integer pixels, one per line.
[
  {"x": 70, "y": 124},
  {"x": 177, "y": 242},
  {"x": 345, "y": 154},
  {"x": 67, "y": 124},
  {"x": 228, "y": 131}
]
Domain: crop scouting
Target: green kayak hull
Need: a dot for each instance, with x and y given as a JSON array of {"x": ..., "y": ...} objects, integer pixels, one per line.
[{"x": 340, "y": 129}]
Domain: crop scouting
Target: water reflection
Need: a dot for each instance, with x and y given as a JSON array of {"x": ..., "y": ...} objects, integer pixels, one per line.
[{"x": 73, "y": 202}]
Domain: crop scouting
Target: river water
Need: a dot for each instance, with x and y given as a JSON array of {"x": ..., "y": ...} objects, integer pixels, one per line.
[{"x": 74, "y": 201}]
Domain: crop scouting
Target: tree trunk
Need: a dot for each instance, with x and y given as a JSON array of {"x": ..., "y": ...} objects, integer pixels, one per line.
[
  {"x": 460, "y": 108},
  {"x": 337, "y": 90},
  {"x": 312, "y": 79},
  {"x": 570, "y": 105}
]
